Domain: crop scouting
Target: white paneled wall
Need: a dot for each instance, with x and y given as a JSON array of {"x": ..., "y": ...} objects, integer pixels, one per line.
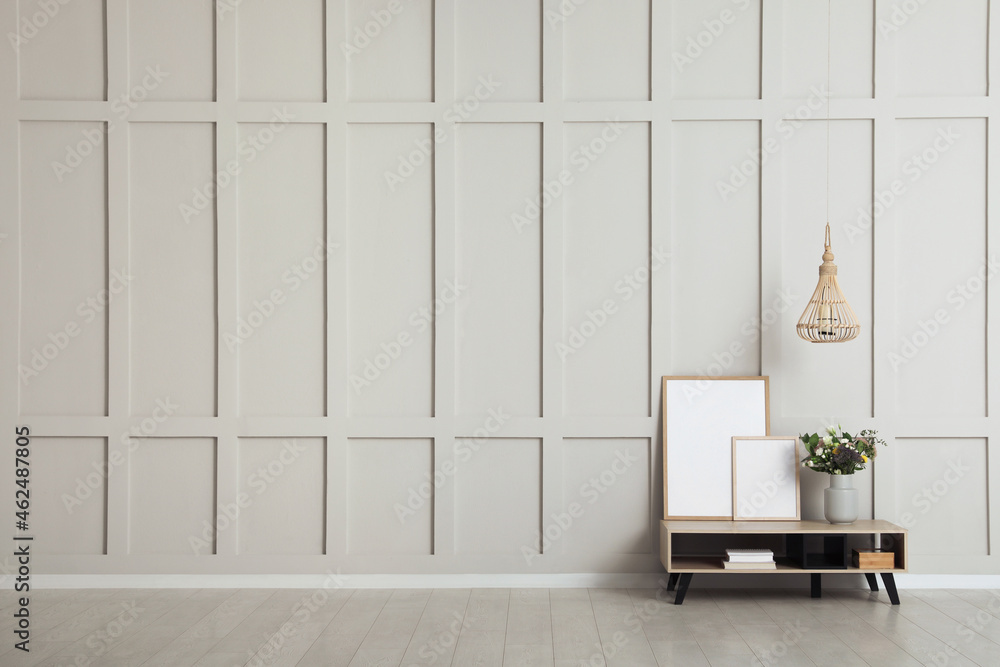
[{"x": 388, "y": 285}]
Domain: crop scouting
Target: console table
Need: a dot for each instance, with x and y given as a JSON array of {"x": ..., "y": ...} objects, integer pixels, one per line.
[{"x": 816, "y": 548}]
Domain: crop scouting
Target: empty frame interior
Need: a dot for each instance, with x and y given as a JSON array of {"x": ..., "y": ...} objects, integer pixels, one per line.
[
  {"x": 700, "y": 418},
  {"x": 766, "y": 478}
]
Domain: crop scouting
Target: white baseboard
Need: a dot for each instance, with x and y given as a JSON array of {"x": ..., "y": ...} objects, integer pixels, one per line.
[{"x": 903, "y": 581}]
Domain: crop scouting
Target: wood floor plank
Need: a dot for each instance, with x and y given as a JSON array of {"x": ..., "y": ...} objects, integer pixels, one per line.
[
  {"x": 621, "y": 636},
  {"x": 200, "y": 638},
  {"x": 98, "y": 645},
  {"x": 310, "y": 615},
  {"x": 505, "y": 628},
  {"x": 873, "y": 646},
  {"x": 823, "y": 648},
  {"x": 436, "y": 635}
]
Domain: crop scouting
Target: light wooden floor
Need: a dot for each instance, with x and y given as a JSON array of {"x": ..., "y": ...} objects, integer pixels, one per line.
[{"x": 485, "y": 627}]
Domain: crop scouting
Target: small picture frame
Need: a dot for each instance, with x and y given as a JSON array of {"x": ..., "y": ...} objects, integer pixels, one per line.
[{"x": 766, "y": 478}]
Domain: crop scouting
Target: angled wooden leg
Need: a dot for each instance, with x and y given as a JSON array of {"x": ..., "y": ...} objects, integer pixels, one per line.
[
  {"x": 872, "y": 581},
  {"x": 816, "y": 583},
  {"x": 890, "y": 587},
  {"x": 672, "y": 581},
  {"x": 682, "y": 587}
]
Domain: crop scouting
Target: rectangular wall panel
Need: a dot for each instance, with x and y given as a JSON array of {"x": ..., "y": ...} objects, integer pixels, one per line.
[
  {"x": 850, "y": 47},
  {"x": 172, "y": 507},
  {"x": 716, "y": 49},
  {"x": 393, "y": 62},
  {"x": 280, "y": 335},
  {"x": 500, "y": 40},
  {"x": 499, "y": 261},
  {"x": 715, "y": 249},
  {"x": 173, "y": 258},
  {"x": 606, "y": 485},
  {"x": 941, "y": 47},
  {"x": 60, "y": 49},
  {"x": 278, "y": 476},
  {"x": 606, "y": 49},
  {"x": 281, "y": 49},
  {"x": 498, "y": 473},
  {"x": 69, "y": 495},
  {"x": 391, "y": 270},
  {"x": 177, "y": 41},
  {"x": 604, "y": 344},
  {"x": 801, "y": 158},
  {"x": 942, "y": 495},
  {"x": 390, "y": 496},
  {"x": 938, "y": 356},
  {"x": 65, "y": 289}
]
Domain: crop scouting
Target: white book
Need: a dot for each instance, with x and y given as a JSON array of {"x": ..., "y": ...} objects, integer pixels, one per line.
[
  {"x": 750, "y": 555},
  {"x": 749, "y": 566}
]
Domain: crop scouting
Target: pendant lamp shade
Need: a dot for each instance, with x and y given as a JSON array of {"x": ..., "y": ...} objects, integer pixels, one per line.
[{"x": 828, "y": 318}]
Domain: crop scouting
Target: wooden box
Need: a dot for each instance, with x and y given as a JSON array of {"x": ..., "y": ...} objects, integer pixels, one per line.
[{"x": 874, "y": 559}]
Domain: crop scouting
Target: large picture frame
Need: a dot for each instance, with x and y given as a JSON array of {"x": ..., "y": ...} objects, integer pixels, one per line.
[
  {"x": 700, "y": 417},
  {"x": 766, "y": 478}
]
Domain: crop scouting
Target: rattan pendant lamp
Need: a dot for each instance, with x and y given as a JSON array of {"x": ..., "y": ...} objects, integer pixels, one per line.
[{"x": 828, "y": 318}]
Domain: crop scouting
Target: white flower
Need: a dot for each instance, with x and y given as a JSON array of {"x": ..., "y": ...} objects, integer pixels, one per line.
[
  {"x": 827, "y": 440},
  {"x": 819, "y": 451}
]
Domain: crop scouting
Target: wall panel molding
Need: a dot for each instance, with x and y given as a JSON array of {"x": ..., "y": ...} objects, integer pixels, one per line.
[{"x": 610, "y": 258}]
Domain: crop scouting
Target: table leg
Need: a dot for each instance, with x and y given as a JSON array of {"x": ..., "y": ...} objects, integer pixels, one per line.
[
  {"x": 682, "y": 587},
  {"x": 672, "y": 581},
  {"x": 872, "y": 581},
  {"x": 816, "y": 583},
  {"x": 890, "y": 587}
]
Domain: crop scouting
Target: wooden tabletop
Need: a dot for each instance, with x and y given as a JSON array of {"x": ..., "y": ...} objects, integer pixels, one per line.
[{"x": 771, "y": 527}]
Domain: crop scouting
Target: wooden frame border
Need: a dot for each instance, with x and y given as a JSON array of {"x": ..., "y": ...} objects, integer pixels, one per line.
[
  {"x": 663, "y": 435},
  {"x": 795, "y": 465}
]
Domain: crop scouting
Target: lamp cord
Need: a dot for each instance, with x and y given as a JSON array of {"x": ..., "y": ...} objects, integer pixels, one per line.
[{"x": 829, "y": 96}]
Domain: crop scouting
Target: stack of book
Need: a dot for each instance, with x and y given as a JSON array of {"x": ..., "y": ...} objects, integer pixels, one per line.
[{"x": 749, "y": 559}]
